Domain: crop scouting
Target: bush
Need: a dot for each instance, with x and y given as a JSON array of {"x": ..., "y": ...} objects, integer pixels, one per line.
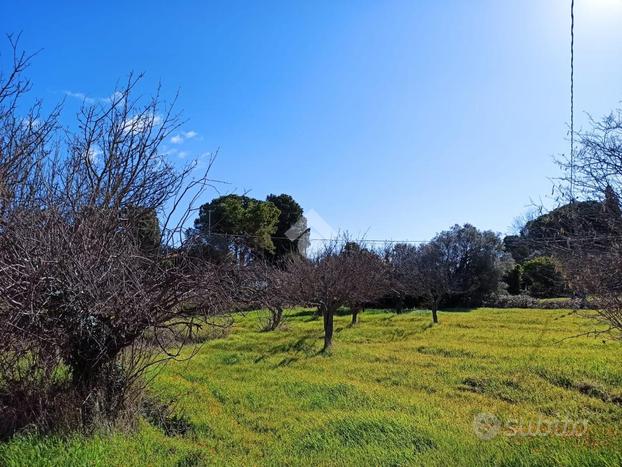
[
  {"x": 542, "y": 278},
  {"x": 526, "y": 301},
  {"x": 92, "y": 262},
  {"x": 165, "y": 416}
]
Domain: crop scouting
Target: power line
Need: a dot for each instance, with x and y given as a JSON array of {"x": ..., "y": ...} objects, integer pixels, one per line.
[
  {"x": 337, "y": 239},
  {"x": 576, "y": 238},
  {"x": 571, "y": 100}
]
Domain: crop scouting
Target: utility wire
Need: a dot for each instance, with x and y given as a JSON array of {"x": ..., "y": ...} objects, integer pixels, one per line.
[
  {"x": 572, "y": 100},
  {"x": 578, "y": 238}
]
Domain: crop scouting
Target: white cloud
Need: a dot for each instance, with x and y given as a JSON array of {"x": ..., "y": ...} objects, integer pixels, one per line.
[
  {"x": 140, "y": 122},
  {"x": 81, "y": 96},
  {"x": 168, "y": 151},
  {"x": 31, "y": 122},
  {"x": 184, "y": 135},
  {"x": 94, "y": 154},
  {"x": 92, "y": 100},
  {"x": 115, "y": 96}
]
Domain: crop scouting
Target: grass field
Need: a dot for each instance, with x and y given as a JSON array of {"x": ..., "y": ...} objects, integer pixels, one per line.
[{"x": 395, "y": 391}]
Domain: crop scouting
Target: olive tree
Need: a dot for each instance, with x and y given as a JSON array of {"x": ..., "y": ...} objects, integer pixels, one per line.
[{"x": 462, "y": 265}]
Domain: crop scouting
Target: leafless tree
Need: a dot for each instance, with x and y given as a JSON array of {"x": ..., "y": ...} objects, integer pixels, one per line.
[
  {"x": 422, "y": 271},
  {"x": 263, "y": 285},
  {"x": 591, "y": 253},
  {"x": 374, "y": 278},
  {"x": 277, "y": 295},
  {"x": 25, "y": 133},
  {"x": 82, "y": 299},
  {"x": 335, "y": 276}
]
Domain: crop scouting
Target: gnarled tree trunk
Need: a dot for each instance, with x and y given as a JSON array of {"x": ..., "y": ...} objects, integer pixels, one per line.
[{"x": 276, "y": 316}]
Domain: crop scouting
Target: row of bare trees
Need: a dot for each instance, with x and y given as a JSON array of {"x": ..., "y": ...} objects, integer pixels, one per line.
[{"x": 460, "y": 266}]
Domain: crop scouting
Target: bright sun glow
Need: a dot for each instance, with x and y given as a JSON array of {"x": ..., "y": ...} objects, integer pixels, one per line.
[
  {"x": 604, "y": 4},
  {"x": 599, "y": 12}
]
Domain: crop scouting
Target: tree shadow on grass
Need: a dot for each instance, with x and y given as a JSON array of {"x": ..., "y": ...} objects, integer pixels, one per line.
[
  {"x": 301, "y": 348},
  {"x": 302, "y": 313}
]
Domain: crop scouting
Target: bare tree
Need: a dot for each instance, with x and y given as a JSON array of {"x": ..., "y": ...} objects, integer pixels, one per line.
[
  {"x": 261, "y": 284},
  {"x": 423, "y": 272},
  {"x": 277, "y": 295},
  {"x": 24, "y": 136},
  {"x": 591, "y": 252},
  {"x": 334, "y": 277},
  {"x": 373, "y": 277},
  {"x": 80, "y": 289}
]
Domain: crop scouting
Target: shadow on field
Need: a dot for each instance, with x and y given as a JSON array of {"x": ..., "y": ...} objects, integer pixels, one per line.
[
  {"x": 301, "y": 348},
  {"x": 301, "y": 313}
]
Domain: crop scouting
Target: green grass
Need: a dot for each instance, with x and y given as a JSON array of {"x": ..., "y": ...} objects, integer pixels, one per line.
[{"x": 395, "y": 391}]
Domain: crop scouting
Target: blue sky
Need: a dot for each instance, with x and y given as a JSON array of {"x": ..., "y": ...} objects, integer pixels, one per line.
[{"x": 393, "y": 119}]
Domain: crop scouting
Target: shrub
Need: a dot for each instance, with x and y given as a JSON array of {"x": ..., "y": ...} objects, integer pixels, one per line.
[
  {"x": 541, "y": 278},
  {"x": 91, "y": 262}
]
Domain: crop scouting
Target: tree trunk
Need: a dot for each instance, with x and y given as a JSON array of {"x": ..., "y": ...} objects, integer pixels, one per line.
[
  {"x": 276, "y": 316},
  {"x": 355, "y": 315},
  {"x": 98, "y": 381},
  {"x": 434, "y": 310},
  {"x": 399, "y": 303},
  {"x": 85, "y": 379},
  {"x": 328, "y": 315}
]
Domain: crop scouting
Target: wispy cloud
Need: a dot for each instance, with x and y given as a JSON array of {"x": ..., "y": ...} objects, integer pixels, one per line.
[
  {"x": 140, "y": 122},
  {"x": 81, "y": 96},
  {"x": 94, "y": 154},
  {"x": 169, "y": 151},
  {"x": 181, "y": 137}
]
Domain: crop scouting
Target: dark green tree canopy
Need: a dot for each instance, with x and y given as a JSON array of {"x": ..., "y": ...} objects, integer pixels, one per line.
[
  {"x": 239, "y": 224},
  {"x": 475, "y": 262},
  {"x": 579, "y": 221},
  {"x": 460, "y": 266},
  {"x": 542, "y": 278}
]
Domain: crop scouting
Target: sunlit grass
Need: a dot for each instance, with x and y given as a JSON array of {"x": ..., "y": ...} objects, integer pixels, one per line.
[{"x": 396, "y": 390}]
